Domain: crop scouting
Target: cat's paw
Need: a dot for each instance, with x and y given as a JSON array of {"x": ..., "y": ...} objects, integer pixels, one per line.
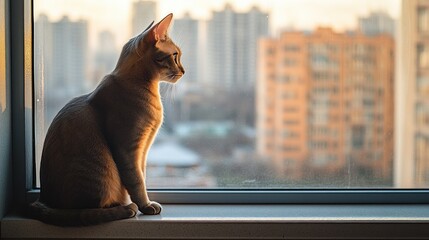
[
  {"x": 153, "y": 208},
  {"x": 133, "y": 209}
]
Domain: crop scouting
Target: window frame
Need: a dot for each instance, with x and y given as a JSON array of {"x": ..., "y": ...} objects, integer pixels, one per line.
[
  {"x": 23, "y": 146},
  {"x": 20, "y": 27}
]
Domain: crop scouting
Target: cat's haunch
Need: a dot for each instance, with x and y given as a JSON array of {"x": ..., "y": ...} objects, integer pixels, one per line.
[{"x": 94, "y": 154}]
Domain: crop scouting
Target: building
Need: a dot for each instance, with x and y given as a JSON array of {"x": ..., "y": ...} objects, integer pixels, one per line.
[
  {"x": 186, "y": 34},
  {"x": 282, "y": 140},
  {"x": 377, "y": 23},
  {"x": 171, "y": 165},
  {"x": 61, "y": 57},
  {"x": 142, "y": 14},
  {"x": 70, "y": 57},
  {"x": 232, "y": 47},
  {"x": 42, "y": 60},
  {"x": 43, "y": 49},
  {"x": 325, "y": 103},
  {"x": 412, "y": 145},
  {"x": 106, "y": 57}
]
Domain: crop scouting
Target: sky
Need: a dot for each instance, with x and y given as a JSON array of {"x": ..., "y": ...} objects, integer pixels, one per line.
[{"x": 114, "y": 15}]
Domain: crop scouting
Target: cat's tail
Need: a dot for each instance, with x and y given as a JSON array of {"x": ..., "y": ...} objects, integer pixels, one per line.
[{"x": 80, "y": 217}]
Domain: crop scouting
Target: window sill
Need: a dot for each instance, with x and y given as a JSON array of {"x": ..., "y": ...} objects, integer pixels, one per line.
[{"x": 247, "y": 222}]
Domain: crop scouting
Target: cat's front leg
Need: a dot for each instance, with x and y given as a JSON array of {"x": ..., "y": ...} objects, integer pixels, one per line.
[
  {"x": 142, "y": 199},
  {"x": 134, "y": 181},
  {"x": 151, "y": 207}
]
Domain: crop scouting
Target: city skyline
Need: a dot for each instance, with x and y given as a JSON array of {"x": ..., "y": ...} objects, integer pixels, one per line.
[
  {"x": 306, "y": 15},
  {"x": 345, "y": 125}
]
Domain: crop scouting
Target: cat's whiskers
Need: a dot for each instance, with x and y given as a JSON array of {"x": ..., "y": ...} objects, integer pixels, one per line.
[
  {"x": 164, "y": 89},
  {"x": 167, "y": 90},
  {"x": 167, "y": 93},
  {"x": 172, "y": 93}
]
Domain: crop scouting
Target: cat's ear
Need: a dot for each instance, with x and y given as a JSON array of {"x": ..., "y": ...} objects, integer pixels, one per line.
[
  {"x": 159, "y": 31},
  {"x": 148, "y": 27}
]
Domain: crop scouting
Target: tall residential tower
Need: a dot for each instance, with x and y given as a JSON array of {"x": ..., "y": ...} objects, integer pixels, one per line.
[
  {"x": 143, "y": 12},
  {"x": 325, "y": 104},
  {"x": 61, "y": 57},
  {"x": 232, "y": 47}
]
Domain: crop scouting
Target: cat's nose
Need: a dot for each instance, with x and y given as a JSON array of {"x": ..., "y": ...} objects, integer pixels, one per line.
[{"x": 182, "y": 69}]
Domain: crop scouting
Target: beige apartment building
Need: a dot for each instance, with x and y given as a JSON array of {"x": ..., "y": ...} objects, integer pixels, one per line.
[
  {"x": 412, "y": 96},
  {"x": 325, "y": 103}
]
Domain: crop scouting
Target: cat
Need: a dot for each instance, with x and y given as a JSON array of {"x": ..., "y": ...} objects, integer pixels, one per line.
[{"x": 94, "y": 154}]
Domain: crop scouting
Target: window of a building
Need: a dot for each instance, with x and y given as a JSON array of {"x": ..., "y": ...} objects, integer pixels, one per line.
[
  {"x": 423, "y": 20},
  {"x": 423, "y": 56}
]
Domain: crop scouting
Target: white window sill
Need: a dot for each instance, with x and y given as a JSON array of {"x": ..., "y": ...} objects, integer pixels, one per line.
[{"x": 247, "y": 222}]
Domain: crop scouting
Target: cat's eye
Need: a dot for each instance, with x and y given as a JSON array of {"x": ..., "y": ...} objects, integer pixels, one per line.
[
  {"x": 175, "y": 57},
  {"x": 162, "y": 58},
  {"x": 166, "y": 57}
]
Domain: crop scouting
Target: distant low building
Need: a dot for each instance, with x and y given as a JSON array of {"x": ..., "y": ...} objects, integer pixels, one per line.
[{"x": 171, "y": 165}]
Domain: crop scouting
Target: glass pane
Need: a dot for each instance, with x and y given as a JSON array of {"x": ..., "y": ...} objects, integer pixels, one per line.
[{"x": 277, "y": 94}]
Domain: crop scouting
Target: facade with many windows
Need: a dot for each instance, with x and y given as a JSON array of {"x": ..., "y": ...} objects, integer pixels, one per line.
[{"x": 325, "y": 103}]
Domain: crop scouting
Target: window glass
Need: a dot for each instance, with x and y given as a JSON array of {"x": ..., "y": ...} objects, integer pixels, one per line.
[{"x": 277, "y": 94}]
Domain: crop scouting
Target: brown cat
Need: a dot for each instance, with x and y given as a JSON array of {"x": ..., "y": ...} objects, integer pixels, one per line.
[{"x": 94, "y": 154}]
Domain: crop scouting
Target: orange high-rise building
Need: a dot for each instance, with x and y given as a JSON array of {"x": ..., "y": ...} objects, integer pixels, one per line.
[{"x": 325, "y": 103}]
